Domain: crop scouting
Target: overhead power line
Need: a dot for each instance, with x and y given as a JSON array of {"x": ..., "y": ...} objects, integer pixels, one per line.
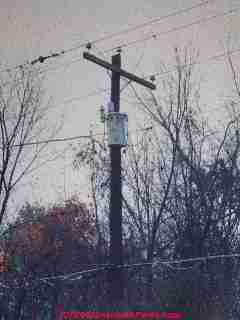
[
  {"x": 158, "y": 34},
  {"x": 51, "y": 140},
  {"x": 94, "y": 93},
  {"x": 67, "y": 139},
  {"x": 215, "y": 57},
  {"x": 89, "y": 44},
  {"x": 153, "y": 21},
  {"x": 152, "y": 76},
  {"x": 152, "y": 36},
  {"x": 79, "y": 275}
]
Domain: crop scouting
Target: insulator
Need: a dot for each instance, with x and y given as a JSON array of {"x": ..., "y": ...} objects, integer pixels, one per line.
[
  {"x": 152, "y": 78},
  {"x": 41, "y": 59},
  {"x": 89, "y": 45}
]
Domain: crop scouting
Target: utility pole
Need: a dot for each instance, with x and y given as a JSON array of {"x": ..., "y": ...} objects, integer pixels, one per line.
[{"x": 115, "y": 223}]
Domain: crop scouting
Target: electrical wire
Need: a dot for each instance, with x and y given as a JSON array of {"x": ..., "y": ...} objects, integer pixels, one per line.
[
  {"x": 185, "y": 26},
  {"x": 215, "y": 57},
  {"x": 79, "y": 274},
  {"x": 88, "y": 44},
  {"x": 153, "y": 21},
  {"x": 99, "y": 91},
  {"x": 183, "y": 268},
  {"x": 94, "y": 93},
  {"x": 157, "y": 74},
  {"x": 66, "y": 139},
  {"x": 48, "y": 141},
  {"x": 152, "y": 36},
  {"x": 205, "y": 258}
]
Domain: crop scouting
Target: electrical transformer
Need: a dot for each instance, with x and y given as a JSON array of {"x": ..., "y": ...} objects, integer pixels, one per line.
[{"x": 117, "y": 126}]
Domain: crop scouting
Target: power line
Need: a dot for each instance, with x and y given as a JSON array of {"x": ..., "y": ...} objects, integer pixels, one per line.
[
  {"x": 64, "y": 65},
  {"x": 94, "y": 93},
  {"x": 153, "y": 36},
  {"x": 153, "y": 21},
  {"x": 66, "y": 139},
  {"x": 79, "y": 274},
  {"x": 49, "y": 141},
  {"x": 157, "y": 74},
  {"x": 221, "y": 256},
  {"x": 185, "y": 26},
  {"x": 215, "y": 57},
  {"x": 88, "y": 44}
]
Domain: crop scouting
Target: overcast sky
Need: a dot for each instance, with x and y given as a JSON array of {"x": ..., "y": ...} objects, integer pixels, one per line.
[{"x": 29, "y": 29}]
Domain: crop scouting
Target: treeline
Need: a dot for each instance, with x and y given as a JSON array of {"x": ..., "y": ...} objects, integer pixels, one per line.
[{"x": 44, "y": 242}]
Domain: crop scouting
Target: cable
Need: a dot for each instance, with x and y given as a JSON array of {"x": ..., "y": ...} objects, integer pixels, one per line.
[
  {"x": 158, "y": 74},
  {"x": 48, "y": 141},
  {"x": 183, "y": 268},
  {"x": 89, "y": 44},
  {"x": 79, "y": 274},
  {"x": 153, "y": 21},
  {"x": 185, "y": 26},
  {"x": 152, "y": 36},
  {"x": 104, "y": 90},
  {"x": 221, "y": 256},
  {"x": 70, "y": 275},
  {"x": 66, "y": 139},
  {"x": 64, "y": 65},
  {"x": 215, "y": 57}
]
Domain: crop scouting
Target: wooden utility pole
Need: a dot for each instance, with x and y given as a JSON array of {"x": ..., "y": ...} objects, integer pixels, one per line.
[{"x": 116, "y": 251}]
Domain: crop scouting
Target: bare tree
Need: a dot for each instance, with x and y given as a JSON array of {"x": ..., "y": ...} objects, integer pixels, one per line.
[
  {"x": 181, "y": 189},
  {"x": 23, "y": 119},
  {"x": 202, "y": 199},
  {"x": 147, "y": 173},
  {"x": 94, "y": 156}
]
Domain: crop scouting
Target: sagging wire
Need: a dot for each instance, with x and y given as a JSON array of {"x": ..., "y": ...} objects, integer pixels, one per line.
[
  {"x": 143, "y": 264},
  {"x": 106, "y": 267}
]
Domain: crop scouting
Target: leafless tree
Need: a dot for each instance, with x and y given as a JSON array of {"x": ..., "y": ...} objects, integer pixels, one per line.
[
  {"x": 23, "y": 119},
  {"x": 94, "y": 157},
  {"x": 202, "y": 201},
  {"x": 181, "y": 186}
]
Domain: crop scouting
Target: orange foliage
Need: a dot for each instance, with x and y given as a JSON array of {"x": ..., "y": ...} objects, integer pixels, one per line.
[{"x": 55, "y": 233}]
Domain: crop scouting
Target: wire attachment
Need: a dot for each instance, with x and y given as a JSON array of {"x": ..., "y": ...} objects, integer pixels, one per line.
[
  {"x": 89, "y": 46},
  {"x": 153, "y": 78}
]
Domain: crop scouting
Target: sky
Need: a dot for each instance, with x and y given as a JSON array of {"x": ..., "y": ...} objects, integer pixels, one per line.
[{"x": 29, "y": 29}]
